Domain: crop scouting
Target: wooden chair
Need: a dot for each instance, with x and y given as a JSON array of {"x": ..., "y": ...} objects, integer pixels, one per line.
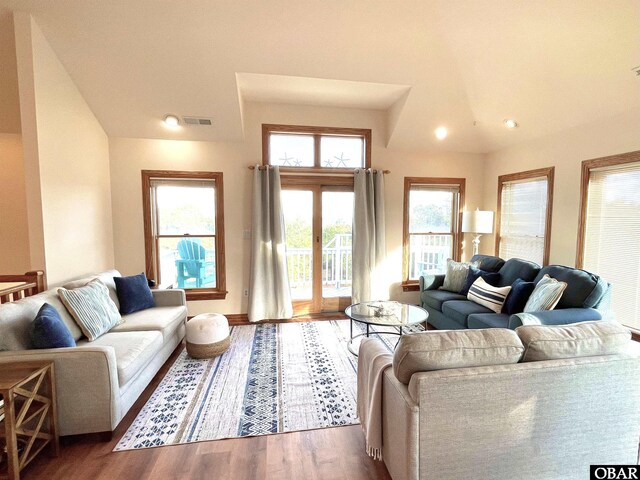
[{"x": 194, "y": 264}]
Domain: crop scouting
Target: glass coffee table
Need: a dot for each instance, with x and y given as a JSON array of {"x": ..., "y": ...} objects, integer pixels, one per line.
[{"x": 382, "y": 314}]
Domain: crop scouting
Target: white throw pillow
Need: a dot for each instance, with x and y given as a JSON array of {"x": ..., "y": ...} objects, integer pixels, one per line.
[
  {"x": 91, "y": 308},
  {"x": 487, "y": 295},
  {"x": 545, "y": 295}
]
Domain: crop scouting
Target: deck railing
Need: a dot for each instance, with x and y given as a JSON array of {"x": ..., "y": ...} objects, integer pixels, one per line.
[{"x": 430, "y": 256}]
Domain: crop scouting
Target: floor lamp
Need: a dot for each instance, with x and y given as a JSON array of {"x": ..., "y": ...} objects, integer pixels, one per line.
[{"x": 478, "y": 223}]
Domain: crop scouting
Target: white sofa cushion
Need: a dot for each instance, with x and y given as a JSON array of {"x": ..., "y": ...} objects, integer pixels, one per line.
[
  {"x": 164, "y": 319},
  {"x": 438, "y": 350},
  {"x": 586, "y": 339},
  {"x": 133, "y": 350}
]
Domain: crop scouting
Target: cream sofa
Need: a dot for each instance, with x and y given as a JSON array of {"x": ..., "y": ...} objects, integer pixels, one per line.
[
  {"x": 542, "y": 420},
  {"x": 97, "y": 382}
]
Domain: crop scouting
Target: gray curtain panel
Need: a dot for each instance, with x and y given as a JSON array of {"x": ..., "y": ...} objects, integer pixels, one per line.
[
  {"x": 269, "y": 294},
  {"x": 370, "y": 281}
]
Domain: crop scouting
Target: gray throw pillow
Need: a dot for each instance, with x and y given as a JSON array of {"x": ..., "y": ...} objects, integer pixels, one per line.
[
  {"x": 456, "y": 275},
  {"x": 91, "y": 308}
]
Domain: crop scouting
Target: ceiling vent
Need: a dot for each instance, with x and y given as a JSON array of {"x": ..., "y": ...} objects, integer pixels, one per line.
[{"x": 197, "y": 121}]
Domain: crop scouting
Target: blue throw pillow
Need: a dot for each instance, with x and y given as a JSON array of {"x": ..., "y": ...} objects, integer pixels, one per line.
[
  {"x": 134, "y": 293},
  {"x": 518, "y": 296},
  {"x": 491, "y": 278},
  {"x": 49, "y": 331}
]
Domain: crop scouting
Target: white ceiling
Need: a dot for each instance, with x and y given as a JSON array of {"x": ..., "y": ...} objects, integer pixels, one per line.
[{"x": 466, "y": 64}]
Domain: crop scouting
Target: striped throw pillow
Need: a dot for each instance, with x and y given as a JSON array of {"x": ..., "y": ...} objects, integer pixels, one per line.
[
  {"x": 545, "y": 295},
  {"x": 91, "y": 308},
  {"x": 487, "y": 295}
]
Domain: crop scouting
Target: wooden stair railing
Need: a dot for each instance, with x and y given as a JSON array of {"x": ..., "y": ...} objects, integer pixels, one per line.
[{"x": 15, "y": 287}]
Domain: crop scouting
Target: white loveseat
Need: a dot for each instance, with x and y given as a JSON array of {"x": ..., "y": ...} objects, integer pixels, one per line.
[{"x": 97, "y": 382}]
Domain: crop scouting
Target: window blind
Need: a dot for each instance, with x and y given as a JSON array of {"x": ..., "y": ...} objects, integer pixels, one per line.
[
  {"x": 523, "y": 214},
  {"x": 612, "y": 236}
]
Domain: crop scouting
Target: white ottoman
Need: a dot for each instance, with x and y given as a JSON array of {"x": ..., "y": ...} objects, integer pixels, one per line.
[{"x": 207, "y": 335}]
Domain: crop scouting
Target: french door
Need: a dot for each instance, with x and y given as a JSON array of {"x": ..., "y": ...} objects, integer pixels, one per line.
[{"x": 318, "y": 216}]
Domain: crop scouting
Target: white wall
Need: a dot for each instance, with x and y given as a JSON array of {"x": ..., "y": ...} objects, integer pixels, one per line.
[
  {"x": 14, "y": 229},
  {"x": 66, "y": 155},
  {"x": 566, "y": 151},
  {"x": 130, "y": 156}
]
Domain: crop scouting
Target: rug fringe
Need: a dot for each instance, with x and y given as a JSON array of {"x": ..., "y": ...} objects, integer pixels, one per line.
[{"x": 375, "y": 453}]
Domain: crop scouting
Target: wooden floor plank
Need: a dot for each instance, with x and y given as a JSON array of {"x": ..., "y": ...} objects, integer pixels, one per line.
[{"x": 324, "y": 454}]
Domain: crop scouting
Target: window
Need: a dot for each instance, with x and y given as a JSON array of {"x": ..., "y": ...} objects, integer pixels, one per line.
[
  {"x": 302, "y": 148},
  {"x": 184, "y": 231},
  {"x": 609, "y": 230},
  {"x": 431, "y": 225},
  {"x": 524, "y": 215}
]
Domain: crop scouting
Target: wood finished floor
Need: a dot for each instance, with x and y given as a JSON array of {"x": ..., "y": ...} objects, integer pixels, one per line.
[{"x": 325, "y": 454}]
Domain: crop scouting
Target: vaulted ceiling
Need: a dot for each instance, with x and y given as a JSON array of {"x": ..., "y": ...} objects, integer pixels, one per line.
[{"x": 464, "y": 64}]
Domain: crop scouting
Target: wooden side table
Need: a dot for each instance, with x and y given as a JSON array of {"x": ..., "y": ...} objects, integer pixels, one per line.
[{"x": 30, "y": 414}]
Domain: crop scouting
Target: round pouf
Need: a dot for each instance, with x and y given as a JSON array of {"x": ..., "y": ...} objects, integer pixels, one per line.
[{"x": 207, "y": 335}]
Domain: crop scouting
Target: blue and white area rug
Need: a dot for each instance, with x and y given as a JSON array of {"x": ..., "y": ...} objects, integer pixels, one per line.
[{"x": 274, "y": 378}]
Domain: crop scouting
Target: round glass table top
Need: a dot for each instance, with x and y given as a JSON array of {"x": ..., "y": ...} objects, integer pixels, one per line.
[{"x": 386, "y": 313}]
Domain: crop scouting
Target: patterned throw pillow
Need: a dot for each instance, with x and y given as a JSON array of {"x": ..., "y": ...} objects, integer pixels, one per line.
[
  {"x": 91, "y": 308},
  {"x": 546, "y": 295},
  {"x": 456, "y": 275},
  {"x": 487, "y": 295}
]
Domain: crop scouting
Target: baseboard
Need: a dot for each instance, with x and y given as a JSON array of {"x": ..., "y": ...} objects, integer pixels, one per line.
[{"x": 237, "y": 318}]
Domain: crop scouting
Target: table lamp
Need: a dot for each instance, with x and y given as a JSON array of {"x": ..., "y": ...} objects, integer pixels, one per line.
[{"x": 477, "y": 222}]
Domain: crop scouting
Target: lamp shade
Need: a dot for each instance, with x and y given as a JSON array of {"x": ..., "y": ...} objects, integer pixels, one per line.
[{"x": 477, "y": 222}]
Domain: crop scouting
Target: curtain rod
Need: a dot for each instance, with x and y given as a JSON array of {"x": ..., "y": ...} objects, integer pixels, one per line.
[{"x": 264, "y": 167}]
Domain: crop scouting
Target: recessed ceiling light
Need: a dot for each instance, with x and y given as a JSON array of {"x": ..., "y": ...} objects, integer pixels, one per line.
[
  {"x": 510, "y": 123},
  {"x": 171, "y": 121},
  {"x": 441, "y": 133}
]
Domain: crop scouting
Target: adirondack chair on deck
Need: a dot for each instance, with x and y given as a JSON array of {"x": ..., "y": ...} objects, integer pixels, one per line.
[{"x": 195, "y": 267}]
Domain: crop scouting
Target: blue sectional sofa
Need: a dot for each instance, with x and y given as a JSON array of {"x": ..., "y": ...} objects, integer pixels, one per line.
[{"x": 585, "y": 298}]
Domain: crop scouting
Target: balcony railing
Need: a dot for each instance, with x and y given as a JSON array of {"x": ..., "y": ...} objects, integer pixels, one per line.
[
  {"x": 429, "y": 255},
  {"x": 336, "y": 264}
]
